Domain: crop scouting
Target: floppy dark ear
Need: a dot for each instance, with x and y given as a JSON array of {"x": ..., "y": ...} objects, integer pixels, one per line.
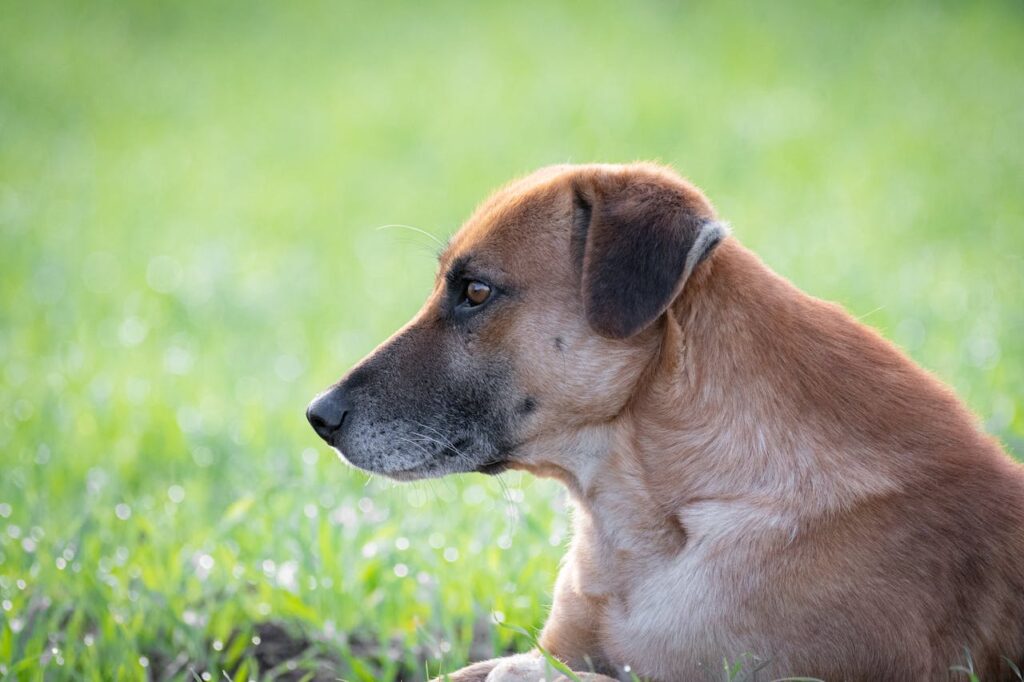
[{"x": 639, "y": 236}]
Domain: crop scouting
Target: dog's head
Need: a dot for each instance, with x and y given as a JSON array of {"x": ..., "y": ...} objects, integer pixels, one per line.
[{"x": 541, "y": 323}]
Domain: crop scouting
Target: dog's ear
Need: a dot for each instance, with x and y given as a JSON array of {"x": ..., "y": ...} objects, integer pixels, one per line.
[{"x": 638, "y": 234}]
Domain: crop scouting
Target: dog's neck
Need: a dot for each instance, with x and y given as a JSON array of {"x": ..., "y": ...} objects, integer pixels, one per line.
[
  {"x": 731, "y": 416},
  {"x": 761, "y": 396}
]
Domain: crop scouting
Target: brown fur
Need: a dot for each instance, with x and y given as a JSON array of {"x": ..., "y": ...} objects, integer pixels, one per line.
[{"x": 753, "y": 471}]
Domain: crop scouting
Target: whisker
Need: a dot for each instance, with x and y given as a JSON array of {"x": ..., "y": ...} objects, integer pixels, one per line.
[
  {"x": 414, "y": 229},
  {"x": 506, "y": 493},
  {"x": 871, "y": 312},
  {"x": 418, "y": 446},
  {"x": 439, "y": 433},
  {"x": 418, "y": 244}
]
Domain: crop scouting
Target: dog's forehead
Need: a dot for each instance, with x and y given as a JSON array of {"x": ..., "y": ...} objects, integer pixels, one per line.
[{"x": 520, "y": 214}]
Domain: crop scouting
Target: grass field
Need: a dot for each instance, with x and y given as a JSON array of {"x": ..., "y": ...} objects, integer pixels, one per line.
[{"x": 188, "y": 200}]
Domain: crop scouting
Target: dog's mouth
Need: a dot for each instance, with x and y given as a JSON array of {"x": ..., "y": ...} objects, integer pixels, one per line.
[
  {"x": 493, "y": 468},
  {"x": 502, "y": 463},
  {"x": 458, "y": 447}
]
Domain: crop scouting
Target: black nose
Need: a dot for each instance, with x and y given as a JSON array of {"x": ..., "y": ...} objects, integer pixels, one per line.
[{"x": 327, "y": 413}]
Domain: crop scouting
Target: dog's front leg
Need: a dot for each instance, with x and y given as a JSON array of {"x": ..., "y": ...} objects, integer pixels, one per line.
[
  {"x": 569, "y": 635},
  {"x": 571, "y": 631}
]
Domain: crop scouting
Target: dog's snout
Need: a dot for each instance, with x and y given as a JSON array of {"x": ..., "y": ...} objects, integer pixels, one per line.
[{"x": 327, "y": 412}]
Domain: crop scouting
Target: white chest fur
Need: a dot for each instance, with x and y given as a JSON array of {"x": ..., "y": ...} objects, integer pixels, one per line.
[{"x": 680, "y": 606}]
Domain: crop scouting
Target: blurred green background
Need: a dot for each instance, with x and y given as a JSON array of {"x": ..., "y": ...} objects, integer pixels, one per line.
[{"x": 188, "y": 200}]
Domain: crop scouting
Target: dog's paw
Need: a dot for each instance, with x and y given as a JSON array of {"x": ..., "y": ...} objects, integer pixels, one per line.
[
  {"x": 477, "y": 672},
  {"x": 534, "y": 668}
]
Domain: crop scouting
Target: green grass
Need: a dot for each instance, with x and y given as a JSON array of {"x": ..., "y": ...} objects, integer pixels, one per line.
[{"x": 188, "y": 197}]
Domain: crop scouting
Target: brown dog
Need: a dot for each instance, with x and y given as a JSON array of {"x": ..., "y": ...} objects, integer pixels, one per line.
[{"x": 756, "y": 474}]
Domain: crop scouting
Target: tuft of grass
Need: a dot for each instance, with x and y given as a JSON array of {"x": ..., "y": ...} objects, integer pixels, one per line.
[{"x": 188, "y": 197}]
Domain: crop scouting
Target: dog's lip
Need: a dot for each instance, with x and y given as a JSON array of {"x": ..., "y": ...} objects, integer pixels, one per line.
[
  {"x": 493, "y": 468},
  {"x": 457, "y": 447}
]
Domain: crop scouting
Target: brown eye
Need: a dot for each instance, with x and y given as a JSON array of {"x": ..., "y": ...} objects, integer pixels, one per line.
[{"x": 477, "y": 292}]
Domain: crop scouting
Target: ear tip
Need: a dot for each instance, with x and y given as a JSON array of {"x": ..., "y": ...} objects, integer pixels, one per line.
[
  {"x": 711, "y": 234},
  {"x": 719, "y": 228}
]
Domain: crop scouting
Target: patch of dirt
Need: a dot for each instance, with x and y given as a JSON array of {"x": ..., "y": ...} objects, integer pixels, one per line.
[
  {"x": 284, "y": 653},
  {"x": 291, "y": 656}
]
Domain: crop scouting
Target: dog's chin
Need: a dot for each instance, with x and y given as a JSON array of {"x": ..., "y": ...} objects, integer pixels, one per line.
[
  {"x": 437, "y": 470},
  {"x": 418, "y": 472},
  {"x": 408, "y": 475},
  {"x": 431, "y": 467}
]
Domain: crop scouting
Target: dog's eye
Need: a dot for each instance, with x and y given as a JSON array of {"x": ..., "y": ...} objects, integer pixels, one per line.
[{"x": 476, "y": 292}]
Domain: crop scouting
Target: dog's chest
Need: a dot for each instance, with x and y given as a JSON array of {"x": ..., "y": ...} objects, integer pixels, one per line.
[{"x": 659, "y": 598}]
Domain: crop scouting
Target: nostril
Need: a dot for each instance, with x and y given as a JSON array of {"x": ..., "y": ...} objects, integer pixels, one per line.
[
  {"x": 327, "y": 413},
  {"x": 316, "y": 420}
]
